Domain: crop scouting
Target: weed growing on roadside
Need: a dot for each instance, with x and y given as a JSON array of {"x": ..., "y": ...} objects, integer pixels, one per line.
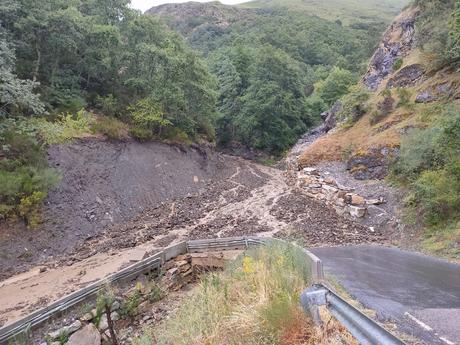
[{"x": 255, "y": 298}]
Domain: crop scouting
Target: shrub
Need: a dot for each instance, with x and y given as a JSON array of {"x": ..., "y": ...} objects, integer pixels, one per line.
[
  {"x": 256, "y": 297},
  {"x": 384, "y": 108},
  {"x": 141, "y": 134},
  {"x": 176, "y": 134},
  {"x": 354, "y": 104},
  {"x": 429, "y": 160},
  {"x": 131, "y": 303},
  {"x": 156, "y": 293},
  {"x": 111, "y": 127},
  {"x": 438, "y": 192},
  {"x": 66, "y": 127},
  {"x": 397, "y": 64},
  {"x": 109, "y": 105},
  {"x": 24, "y": 176},
  {"x": 147, "y": 114},
  {"x": 29, "y": 208},
  {"x": 404, "y": 97},
  {"x": 419, "y": 152}
]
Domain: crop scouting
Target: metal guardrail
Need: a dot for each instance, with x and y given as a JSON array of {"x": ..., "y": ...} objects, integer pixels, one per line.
[
  {"x": 363, "y": 328},
  {"x": 148, "y": 265}
]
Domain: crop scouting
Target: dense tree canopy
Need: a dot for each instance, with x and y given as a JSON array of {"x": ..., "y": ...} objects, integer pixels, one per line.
[
  {"x": 102, "y": 53},
  {"x": 264, "y": 79},
  {"x": 277, "y": 71}
]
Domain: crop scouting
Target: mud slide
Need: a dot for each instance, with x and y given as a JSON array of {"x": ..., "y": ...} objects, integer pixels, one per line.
[{"x": 118, "y": 202}]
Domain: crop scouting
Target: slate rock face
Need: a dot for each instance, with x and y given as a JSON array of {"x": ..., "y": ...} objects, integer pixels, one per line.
[
  {"x": 407, "y": 76},
  {"x": 437, "y": 92},
  {"x": 397, "y": 42},
  {"x": 372, "y": 165}
]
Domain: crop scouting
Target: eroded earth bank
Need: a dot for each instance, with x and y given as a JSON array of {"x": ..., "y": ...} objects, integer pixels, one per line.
[{"x": 118, "y": 202}]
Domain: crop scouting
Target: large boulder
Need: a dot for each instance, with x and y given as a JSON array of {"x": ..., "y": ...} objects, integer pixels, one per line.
[{"x": 88, "y": 335}]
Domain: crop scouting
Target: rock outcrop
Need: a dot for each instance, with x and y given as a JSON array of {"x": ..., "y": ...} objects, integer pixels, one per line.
[
  {"x": 330, "y": 118},
  {"x": 397, "y": 42},
  {"x": 407, "y": 76},
  {"x": 372, "y": 164},
  {"x": 437, "y": 92}
]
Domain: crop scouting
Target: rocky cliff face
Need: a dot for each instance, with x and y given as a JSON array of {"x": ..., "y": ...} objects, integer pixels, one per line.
[
  {"x": 397, "y": 42},
  {"x": 370, "y": 142}
]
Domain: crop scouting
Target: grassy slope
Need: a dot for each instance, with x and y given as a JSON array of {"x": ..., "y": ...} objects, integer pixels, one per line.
[
  {"x": 256, "y": 298},
  {"x": 348, "y": 11}
]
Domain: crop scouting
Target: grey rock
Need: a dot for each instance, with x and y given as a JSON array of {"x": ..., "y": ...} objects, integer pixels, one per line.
[
  {"x": 75, "y": 326},
  {"x": 425, "y": 97},
  {"x": 88, "y": 335},
  {"x": 330, "y": 118},
  {"x": 87, "y": 317},
  {"x": 407, "y": 76},
  {"x": 356, "y": 211},
  {"x": 390, "y": 49}
]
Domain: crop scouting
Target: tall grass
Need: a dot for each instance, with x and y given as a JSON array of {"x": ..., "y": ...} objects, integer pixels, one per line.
[{"x": 254, "y": 301}]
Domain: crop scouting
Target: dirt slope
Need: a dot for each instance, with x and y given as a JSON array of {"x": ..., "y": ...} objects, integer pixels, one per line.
[
  {"x": 154, "y": 195},
  {"x": 103, "y": 184}
]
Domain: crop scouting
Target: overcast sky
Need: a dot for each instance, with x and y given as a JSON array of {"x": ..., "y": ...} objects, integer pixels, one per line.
[{"x": 144, "y": 5}]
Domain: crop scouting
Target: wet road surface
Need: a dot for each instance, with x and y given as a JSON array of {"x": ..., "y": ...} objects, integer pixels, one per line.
[{"x": 419, "y": 293}]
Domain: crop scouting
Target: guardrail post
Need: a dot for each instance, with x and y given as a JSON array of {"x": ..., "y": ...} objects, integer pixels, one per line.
[{"x": 311, "y": 299}]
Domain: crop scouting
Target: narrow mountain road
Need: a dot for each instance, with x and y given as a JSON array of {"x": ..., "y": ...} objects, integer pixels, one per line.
[{"x": 420, "y": 294}]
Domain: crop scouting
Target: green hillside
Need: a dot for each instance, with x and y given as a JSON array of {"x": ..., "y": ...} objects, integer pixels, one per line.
[
  {"x": 279, "y": 64},
  {"x": 347, "y": 11}
]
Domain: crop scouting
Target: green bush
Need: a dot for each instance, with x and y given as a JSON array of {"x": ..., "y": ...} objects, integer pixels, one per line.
[
  {"x": 420, "y": 151},
  {"x": 156, "y": 293},
  {"x": 141, "y": 134},
  {"x": 131, "y": 303},
  {"x": 29, "y": 208},
  {"x": 176, "y": 134},
  {"x": 354, "y": 104},
  {"x": 109, "y": 105},
  {"x": 438, "y": 192},
  {"x": 404, "y": 97},
  {"x": 148, "y": 114},
  {"x": 429, "y": 160},
  {"x": 111, "y": 127},
  {"x": 66, "y": 127},
  {"x": 397, "y": 64},
  {"x": 24, "y": 175}
]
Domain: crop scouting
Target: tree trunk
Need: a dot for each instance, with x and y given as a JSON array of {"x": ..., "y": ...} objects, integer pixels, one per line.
[
  {"x": 110, "y": 324},
  {"x": 37, "y": 63}
]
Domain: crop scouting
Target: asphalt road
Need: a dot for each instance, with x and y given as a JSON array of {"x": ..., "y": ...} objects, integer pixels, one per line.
[{"x": 420, "y": 294}]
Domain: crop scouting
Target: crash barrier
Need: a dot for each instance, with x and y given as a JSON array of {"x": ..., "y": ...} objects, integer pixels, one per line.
[
  {"x": 152, "y": 265},
  {"x": 364, "y": 329}
]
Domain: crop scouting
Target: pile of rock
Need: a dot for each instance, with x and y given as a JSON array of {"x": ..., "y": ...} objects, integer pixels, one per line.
[
  {"x": 341, "y": 198},
  {"x": 179, "y": 272}
]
